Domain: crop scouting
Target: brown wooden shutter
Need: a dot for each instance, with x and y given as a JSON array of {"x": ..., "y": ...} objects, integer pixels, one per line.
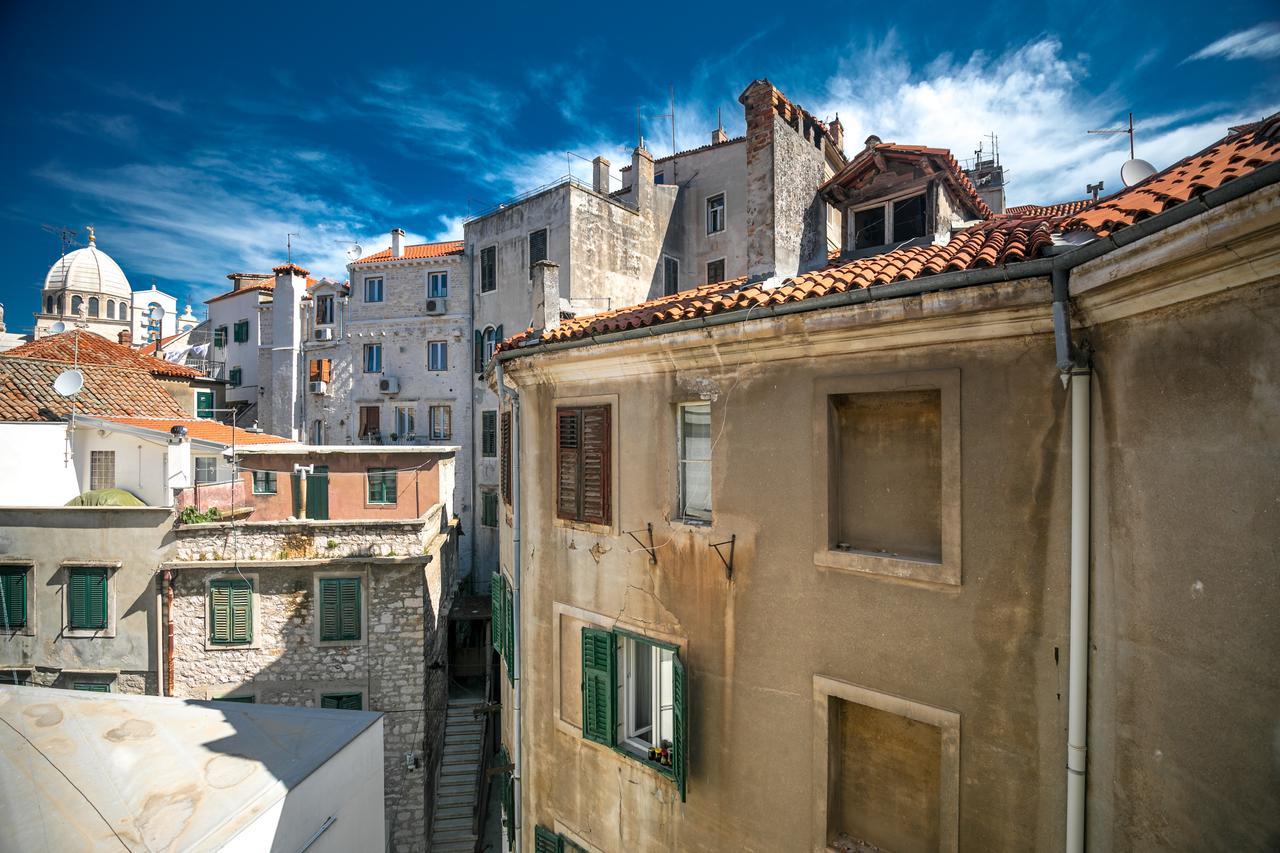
[
  {"x": 506, "y": 457},
  {"x": 597, "y": 438},
  {"x": 568, "y": 463}
]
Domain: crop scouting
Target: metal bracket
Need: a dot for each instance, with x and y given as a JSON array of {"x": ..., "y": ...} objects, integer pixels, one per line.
[
  {"x": 653, "y": 552},
  {"x": 499, "y": 768},
  {"x": 732, "y": 542}
]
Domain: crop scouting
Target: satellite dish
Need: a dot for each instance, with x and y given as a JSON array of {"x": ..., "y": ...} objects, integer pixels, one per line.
[
  {"x": 354, "y": 252},
  {"x": 1136, "y": 171},
  {"x": 58, "y": 328},
  {"x": 68, "y": 382}
]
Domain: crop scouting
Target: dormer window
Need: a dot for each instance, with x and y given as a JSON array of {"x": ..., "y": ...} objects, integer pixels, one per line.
[
  {"x": 903, "y": 219},
  {"x": 324, "y": 310}
]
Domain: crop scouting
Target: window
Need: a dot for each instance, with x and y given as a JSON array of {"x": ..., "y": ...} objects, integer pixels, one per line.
[
  {"x": 230, "y": 611},
  {"x": 715, "y": 214},
  {"x": 670, "y": 275},
  {"x": 86, "y": 599},
  {"x": 695, "y": 461},
  {"x": 868, "y": 227},
  {"x": 317, "y": 432},
  {"x": 102, "y": 469},
  {"x": 342, "y": 701},
  {"x": 441, "y": 423},
  {"x": 76, "y": 302},
  {"x": 204, "y": 404},
  {"x": 240, "y": 332},
  {"x": 381, "y": 485},
  {"x": 537, "y": 248},
  {"x": 93, "y": 306},
  {"x": 373, "y": 289},
  {"x": 235, "y": 376},
  {"x": 373, "y": 358},
  {"x": 488, "y": 343},
  {"x": 489, "y": 508},
  {"x": 404, "y": 421},
  {"x": 908, "y": 219},
  {"x": 660, "y": 177},
  {"x": 324, "y": 310},
  {"x": 489, "y": 433},
  {"x": 244, "y": 700},
  {"x": 370, "y": 421},
  {"x": 437, "y": 285},
  {"x": 264, "y": 482},
  {"x": 91, "y": 686},
  {"x": 583, "y": 468},
  {"x": 13, "y": 597},
  {"x": 111, "y": 310},
  {"x": 206, "y": 469},
  {"x": 339, "y": 602},
  {"x": 437, "y": 355},
  {"x": 220, "y": 336},
  {"x": 715, "y": 271},
  {"x": 321, "y": 370},
  {"x": 633, "y": 697},
  {"x": 506, "y": 457},
  {"x": 502, "y": 621},
  {"x": 488, "y": 269}
]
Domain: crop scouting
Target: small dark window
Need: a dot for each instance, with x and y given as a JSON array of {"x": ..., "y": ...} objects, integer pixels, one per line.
[
  {"x": 584, "y": 444},
  {"x": 324, "y": 310},
  {"x": 670, "y": 276},
  {"x": 341, "y": 701},
  {"x": 537, "y": 248},
  {"x": 264, "y": 482},
  {"x": 339, "y": 609},
  {"x": 660, "y": 178},
  {"x": 489, "y": 433},
  {"x": 908, "y": 219},
  {"x": 868, "y": 228},
  {"x": 235, "y": 376},
  {"x": 506, "y": 457},
  {"x": 488, "y": 269},
  {"x": 87, "y": 599},
  {"x": 381, "y": 485},
  {"x": 489, "y": 509},
  {"x": 715, "y": 271},
  {"x": 715, "y": 214},
  {"x": 13, "y": 598}
]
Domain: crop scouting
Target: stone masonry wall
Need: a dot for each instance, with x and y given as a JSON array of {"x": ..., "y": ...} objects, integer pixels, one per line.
[{"x": 295, "y": 540}]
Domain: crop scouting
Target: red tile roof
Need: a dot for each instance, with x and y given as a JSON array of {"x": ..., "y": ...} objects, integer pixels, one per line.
[
  {"x": 418, "y": 252},
  {"x": 95, "y": 349},
  {"x": 984, "y": 245},
  {"x": 876, "y": 152},
  {"x": 263, "y": 284},
  {"x": 205, "y": 430},
  {"x": 1246, "y": 149},
  {"x": 1066, "y": 208},
  {"x": 150, "y": 349},
  {"x": 26, "y": 392}
]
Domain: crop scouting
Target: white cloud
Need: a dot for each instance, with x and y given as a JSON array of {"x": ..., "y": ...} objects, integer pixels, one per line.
[
  {"x": 1258, "y": 42},
  {"x": 450, "y": 228}
]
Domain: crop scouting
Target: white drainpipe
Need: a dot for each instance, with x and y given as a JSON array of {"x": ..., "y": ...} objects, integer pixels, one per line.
[{"x": 1078, "y": 684}]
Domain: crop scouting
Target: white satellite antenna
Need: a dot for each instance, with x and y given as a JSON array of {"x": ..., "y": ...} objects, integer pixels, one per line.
[
  {"x": 68, "y": 383},
  {"x": 1134, "y": 171},
  {"x": 353, "y": 249},
  {"x": 58, "y": 328}
]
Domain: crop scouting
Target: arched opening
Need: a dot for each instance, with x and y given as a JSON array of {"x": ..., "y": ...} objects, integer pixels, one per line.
[
  {"x": 48, "y": 305},
  {"x": 93, "y": 306},
  {"x": 76, "y": 302},
  {"x": 58, "y": 305},
  {"x": 488, "y": 342},
  {"x": 111, "y": 309}
]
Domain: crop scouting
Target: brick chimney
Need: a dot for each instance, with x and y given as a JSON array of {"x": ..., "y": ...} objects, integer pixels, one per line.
[
  {"x": 642, "y": 177},
  {"x": 125, "y": 337},
  {"x": 546, "y": 296},
  {"x": 240, "y": 279},
  {"x": 397, "y": 242},
  {"x": 836, "y": 130},
  {"x": 600, "y": 175}
]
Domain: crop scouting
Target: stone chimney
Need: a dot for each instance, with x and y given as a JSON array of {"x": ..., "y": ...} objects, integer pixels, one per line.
[
  {"x": 642, "y": 177},
  {"x": 240, "y": 279},
  {"x": 718, "y": 136},
  {"x": 546, "y": 295},
  {"x": 397, "y": 242},
  {"x": 836, "y": 130},
  {"x": 282, "y": 400},
  {"x": 125, "y": 337},
  {"x": 600, "y": 175}
]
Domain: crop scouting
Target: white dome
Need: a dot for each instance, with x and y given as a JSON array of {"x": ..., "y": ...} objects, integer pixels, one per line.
[{"x": 89, "y": 270}]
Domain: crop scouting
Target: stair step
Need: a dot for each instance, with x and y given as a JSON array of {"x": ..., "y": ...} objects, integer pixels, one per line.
[
  {"x": 452, "y": 834},
  {"x": 454, "y": 812}
]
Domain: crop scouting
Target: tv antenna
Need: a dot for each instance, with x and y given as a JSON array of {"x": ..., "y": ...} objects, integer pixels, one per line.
[
  {"x": 1134, "y": 171},
  {"x": 66, "y": 236},
  {"x": 670, "y": 115},
  {"x": 288, "y": 246}
]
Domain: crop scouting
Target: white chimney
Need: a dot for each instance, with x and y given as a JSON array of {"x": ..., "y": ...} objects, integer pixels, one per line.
[
  {"x": 397, "y": 242},
  {"x": 600, "y": 175},
  {"x": 546, "y": 295}
]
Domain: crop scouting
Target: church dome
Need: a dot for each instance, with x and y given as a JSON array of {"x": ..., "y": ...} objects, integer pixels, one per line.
[{"x": 90, "y": 271}]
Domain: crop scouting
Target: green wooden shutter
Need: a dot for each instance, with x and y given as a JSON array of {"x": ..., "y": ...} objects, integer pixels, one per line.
[
  {"x": 598, "y": 693},
  {"x": 92, "y": 686},
  {"x": 230, "y": 611},
  {"x": 296, "y": 482},
  {"x": 341, "y": 701},
  {"x": 87, "y": 598},
  {"x": 546, "y": 841},
  {"x": 509, "y": 632},
  {"x": 13, "y": 591},
  {"x": 478, "y": 362},
  {"x": 495, "y": 611},
  {"x": 204, "y": 404},
  {"x": 329, "y": 595},
  {"x": 241, "y": 613},
  {"x": 680, "y": 722},
  {"x": 349, "y": 608},
  {"x": 497, "y": 336},
  {"x": 318, "y": 493}
]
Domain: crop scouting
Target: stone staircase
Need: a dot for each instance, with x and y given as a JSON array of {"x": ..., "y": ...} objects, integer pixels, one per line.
[{"x": 456, "y": 792}]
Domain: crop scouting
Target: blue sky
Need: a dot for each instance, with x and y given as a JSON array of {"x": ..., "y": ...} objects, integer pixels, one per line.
[{"x": 195, "y": 142}]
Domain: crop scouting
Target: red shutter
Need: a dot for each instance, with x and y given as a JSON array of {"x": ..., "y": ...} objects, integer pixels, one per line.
[
  {"x": 597, "y": 438},
  {"x": 568, "y": 465},
  {"x": 506, "y": 457}
]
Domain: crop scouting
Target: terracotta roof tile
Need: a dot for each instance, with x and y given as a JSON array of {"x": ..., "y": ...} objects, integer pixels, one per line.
[
  {"x": 1066, "y": 208},
  {"x": 418, "y": 252},
  {"x": 264, "y": 284},
  {"x": 203, "y": 429},
  {"x": 95, "y": 349},
  {"x": 1246, "y": 149},
  {"x": 987, "y": 244},
  {"x": 26, "y": 392}
]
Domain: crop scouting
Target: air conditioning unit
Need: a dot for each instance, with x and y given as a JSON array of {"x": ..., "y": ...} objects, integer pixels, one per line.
[
  {"x": 324, "y": 334},
  {"x": 436, "y": 306},
  {"x": 318, "y": 387},
  {"x": 389, "y": 385}
]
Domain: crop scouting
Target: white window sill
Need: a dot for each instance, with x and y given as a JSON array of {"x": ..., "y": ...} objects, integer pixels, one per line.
[{"x": 885, "y": 566}]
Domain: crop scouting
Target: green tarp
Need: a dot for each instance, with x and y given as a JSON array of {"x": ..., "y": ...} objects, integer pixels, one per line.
[{"x": 106, "y": 497}]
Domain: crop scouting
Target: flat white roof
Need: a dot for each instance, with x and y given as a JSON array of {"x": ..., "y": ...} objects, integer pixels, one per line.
[{"x": 88, "y": 771}]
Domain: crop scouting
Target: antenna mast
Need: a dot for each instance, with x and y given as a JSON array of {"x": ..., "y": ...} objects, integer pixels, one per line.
[
  {"x": 1114, "y": 130},
  {"x": 288, "y": 244}
]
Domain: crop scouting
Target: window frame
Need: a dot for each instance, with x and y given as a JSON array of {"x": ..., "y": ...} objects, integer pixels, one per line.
[
  {"x": 365, "y": 361},
  {"x": 668, "y": 263},
  {"x": 91, "y": 628},
  {"x": 240, "y": 332},
  {"x": 15, "y": 583},
  {"x": 405, "y": 420},
  {"x": 488, "y": 508},
  {"x": 95, "y": 472},
  {"x": 723, "y": 262},
  {"x": 489, "y": 433},
  {"x": 447, "y": 433},
  {"x": 489, "y": 269},
  {"x": 441, "y": 278},
  {"x": 384, "y": 476},
  {"x": 325, "y": 304},
  {"x": 327, "y": 585},
  {"x": 235, "y": 376},
  {"x": 361, "y": 420},
  {"x": 339, "y": 696},
  {"x": 442, "y": 363},
  {"x": 268, "y": 480},
  {"x": 607, "y": 470},
  {"x": 370, "y": 290},
  {"x": 887, "y": 204},
  {"x": 232, "y": 640},
  {"x": 722, "y": 212},
  {"x": 682, "y": 463},
  {"x": 195, "y": 469},
  {"x": 546, "y": 247},
  {"x": 220, "y": 336}
]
